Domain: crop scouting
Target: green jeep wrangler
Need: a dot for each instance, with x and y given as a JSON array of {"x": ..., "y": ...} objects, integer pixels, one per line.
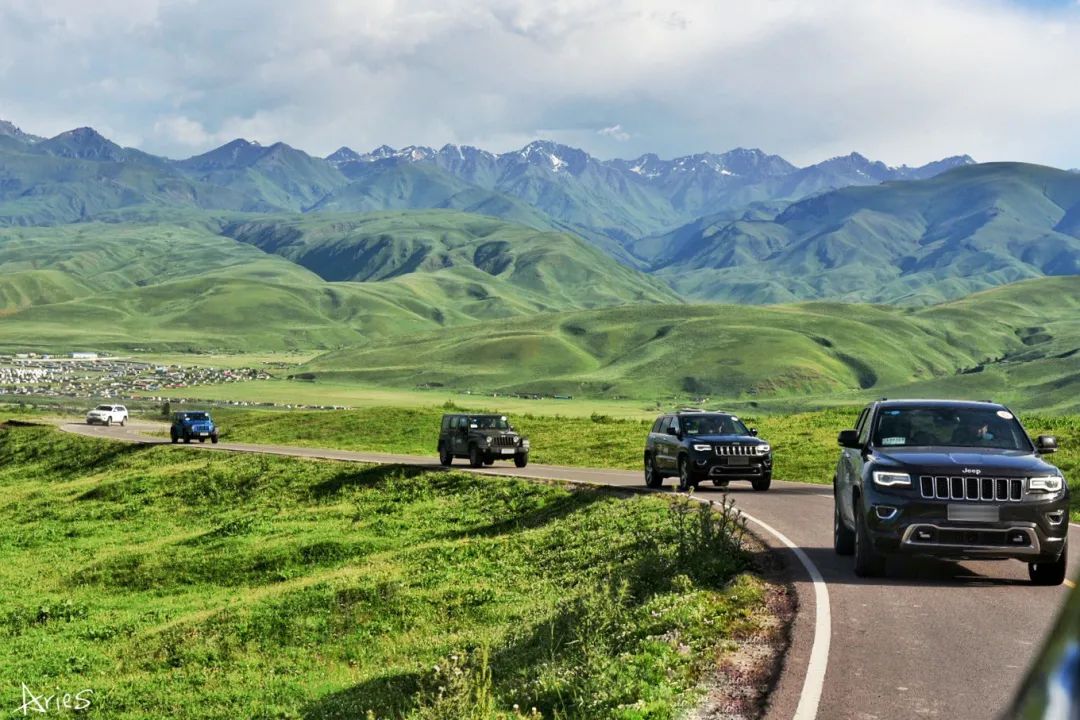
[{"x": 482, "y": 439}]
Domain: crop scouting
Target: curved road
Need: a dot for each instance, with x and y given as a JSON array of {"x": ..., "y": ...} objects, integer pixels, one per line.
[{"x": 930, "y": 640}]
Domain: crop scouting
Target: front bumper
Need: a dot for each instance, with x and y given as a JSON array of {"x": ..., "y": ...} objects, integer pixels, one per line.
[
  {"x": 506, "y": 453},
  {"x": 1029, "y": 530},
  {"x": 709, "y": 465}
]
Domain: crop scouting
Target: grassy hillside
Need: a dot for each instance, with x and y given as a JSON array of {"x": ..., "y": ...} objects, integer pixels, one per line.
[
  {"x": 966, "y": 230},
  {"x": 183, "y": 286},
  {"x": 1013, "y": 338},
  {"x": 379, "y": 246},
  {"x": 194, "y": 586}
]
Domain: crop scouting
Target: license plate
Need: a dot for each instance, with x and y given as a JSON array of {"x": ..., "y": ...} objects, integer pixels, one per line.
[
  {"x": 507, "y": 451},
  {"x": 204, "y": 434},
  {"x": 741, "y": 461},
  {"x": 973, "y": 513}
]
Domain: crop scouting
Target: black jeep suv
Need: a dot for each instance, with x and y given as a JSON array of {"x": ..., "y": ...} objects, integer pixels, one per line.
[
  {"x": 694, "y": 445},
  {"x": 482, "y": 439},
  {"x": 952, "y": 479}
]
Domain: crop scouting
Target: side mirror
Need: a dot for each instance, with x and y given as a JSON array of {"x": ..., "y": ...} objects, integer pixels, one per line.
[
  {"x": 473, "y": 426},
  {"x": 673, "y": 431},
  {"x": 753, "y": 432},
  {"x": 848, "y": 439},
  {"x": 1046, "y": 444}
]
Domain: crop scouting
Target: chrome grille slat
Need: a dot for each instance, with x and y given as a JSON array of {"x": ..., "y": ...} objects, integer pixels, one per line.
[
  {"x": 971, "y": 489},
  {"x": 742, "y": 450},
  {"x": 504, "y": 441}
]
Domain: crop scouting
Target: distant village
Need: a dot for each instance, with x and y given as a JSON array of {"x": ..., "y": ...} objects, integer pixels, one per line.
[{"x": 87, "y": 375}]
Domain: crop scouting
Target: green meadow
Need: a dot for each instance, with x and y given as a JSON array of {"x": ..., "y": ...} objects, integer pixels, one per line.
[{"x": 173, "y": 584}]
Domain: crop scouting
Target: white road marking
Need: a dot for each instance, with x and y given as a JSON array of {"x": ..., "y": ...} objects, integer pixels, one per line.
[{"x": 810, "y": 697}]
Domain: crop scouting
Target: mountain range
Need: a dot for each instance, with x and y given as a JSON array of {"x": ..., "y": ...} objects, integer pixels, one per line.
[{"x": 741, "y": 226}]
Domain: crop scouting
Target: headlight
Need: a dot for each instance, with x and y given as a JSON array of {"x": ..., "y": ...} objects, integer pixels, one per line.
[
  {"x": 702, "y": 447},
  {"x": 891, "y": 479},
  {"x": 485, "y": 439},
  {"x": 525, "y": 443},
  {"x": 763, "y": 449},
  {"x": 1048, "y": 484}
]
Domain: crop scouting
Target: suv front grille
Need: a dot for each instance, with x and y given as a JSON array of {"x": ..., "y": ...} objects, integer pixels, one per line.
[
  {"x": 727, "y": 450},
  {"x": 974, "y": 489},
  {"x": 504, "y": 441}
]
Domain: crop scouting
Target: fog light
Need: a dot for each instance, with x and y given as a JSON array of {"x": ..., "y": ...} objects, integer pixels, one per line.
[
  {"x": 885, "y": 512},
  {"x": 1056, "y": 518},
  {"x": 924, "y": 535},
  {"x": 1018, "y": 537}
]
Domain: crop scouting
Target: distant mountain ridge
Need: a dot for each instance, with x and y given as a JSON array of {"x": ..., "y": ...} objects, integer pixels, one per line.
[{"x": 610, "y": 202}]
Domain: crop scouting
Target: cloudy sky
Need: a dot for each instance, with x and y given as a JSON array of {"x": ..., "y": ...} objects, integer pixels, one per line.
[{"x": 898, "y": 80}]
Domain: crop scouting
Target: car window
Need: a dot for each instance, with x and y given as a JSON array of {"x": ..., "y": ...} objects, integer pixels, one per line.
[
  {"x": 657, "y": 424},
  {"x": 675, "y": 424},
  {"x": 717, "y": 424},
  {"x": 862, "y": 426},
  {"x": 665, "y": 423},
  {"x": 491, "y": 422},
  {"x": 104, "y": 407},
  {"x": 949, "y": 427}
]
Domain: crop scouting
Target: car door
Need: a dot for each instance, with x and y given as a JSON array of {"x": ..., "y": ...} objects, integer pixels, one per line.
[
  {"x": 851, "y": 464},
  {"x": 659, "y": 443},
  {"x": 461, "y": 435}
]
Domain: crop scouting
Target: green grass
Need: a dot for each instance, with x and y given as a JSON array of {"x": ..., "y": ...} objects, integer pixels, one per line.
[
  {"x": 1017, "y": 343},
  {"x": 217, "y": 586}
]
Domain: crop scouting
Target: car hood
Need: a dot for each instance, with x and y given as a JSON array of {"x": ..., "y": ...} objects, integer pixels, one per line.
[
  {"x": 728, "y": 439},
  {"x": 951, "y": 461},
  {"x": 496, "y": 433}
]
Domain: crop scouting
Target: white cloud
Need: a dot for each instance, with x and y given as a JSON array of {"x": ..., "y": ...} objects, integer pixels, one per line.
[
  {"x": 900, "y": 81},
  {"x": 615, "y": 132}
]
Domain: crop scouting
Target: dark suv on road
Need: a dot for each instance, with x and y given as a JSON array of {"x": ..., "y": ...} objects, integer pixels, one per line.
[
  {"x": 695, "y": 445},
  {"x": 481, "y": 438},
  {"x": 193, "y": 425},
  {"x": 952, "y": 479}
]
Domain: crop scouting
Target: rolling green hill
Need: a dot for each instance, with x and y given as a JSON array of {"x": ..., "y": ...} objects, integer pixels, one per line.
[
  {"x": 966, "y": 230},
  {"x": 1020, "y": 341},
  {"x": 379, "y": 246},
  {"x": 123, "y": 286}
]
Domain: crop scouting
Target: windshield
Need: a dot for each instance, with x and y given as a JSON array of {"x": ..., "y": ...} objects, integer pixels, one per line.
[
  {"x": 712, "y": 425},
  {"x": 950, "y": 427},
  {"x": 490, "y": 422},
  {"x": 196, "y": 416},
  {"x": 103, "y": 407}
]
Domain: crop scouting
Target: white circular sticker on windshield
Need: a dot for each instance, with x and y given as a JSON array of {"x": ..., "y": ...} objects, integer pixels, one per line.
[{"x": 1005, "y": 415}]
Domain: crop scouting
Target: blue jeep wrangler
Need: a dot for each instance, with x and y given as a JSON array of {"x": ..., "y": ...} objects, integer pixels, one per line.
[{"x": 193, "y": 425}]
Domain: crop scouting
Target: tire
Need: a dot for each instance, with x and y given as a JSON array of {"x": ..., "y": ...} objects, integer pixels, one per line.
[
  {"x": 123, "y": 422},
  {"x": 762, "y": 483},
  {"x": 843, "y": 537},
  {"x": 521, "y": 460},
  {"x": 476, "y": 459},
  {"x": 721, "y": 483},
  {"x": 187, "y": 440},
  {"x": 488, "y": 461},
  {"x": 446, "y": 458},
  {"x": 653, "y": 478},
  {"x": 868, "y": 561},
  {"x": 686, "y": 480},
  {"x": 174, "y": 438},
  {"x": 108, "y": 422},
  {"x": 1050, "y": 573},
  {"x": 202, "y": 440},
  {"x": 214, "y": 439}
]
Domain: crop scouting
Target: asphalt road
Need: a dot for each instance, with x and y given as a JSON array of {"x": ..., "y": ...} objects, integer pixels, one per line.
[{"x": 930, "y": 640}]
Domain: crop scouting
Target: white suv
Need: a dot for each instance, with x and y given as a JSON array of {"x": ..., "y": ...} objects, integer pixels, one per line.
[{"x": 107, "y": 415}]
